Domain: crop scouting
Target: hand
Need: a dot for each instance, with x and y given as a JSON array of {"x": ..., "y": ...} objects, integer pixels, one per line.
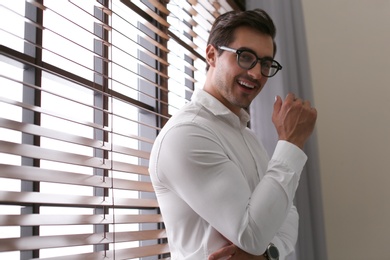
[
  {"x": 294, "y": 119},
  {"x": 233, "y": 252}
]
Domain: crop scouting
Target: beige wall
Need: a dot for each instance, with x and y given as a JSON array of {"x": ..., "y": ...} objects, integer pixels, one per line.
[{"x": 349, "y": 51}]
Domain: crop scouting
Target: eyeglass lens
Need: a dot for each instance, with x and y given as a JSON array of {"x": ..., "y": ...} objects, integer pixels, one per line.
[{"x": 247, "y": 60}]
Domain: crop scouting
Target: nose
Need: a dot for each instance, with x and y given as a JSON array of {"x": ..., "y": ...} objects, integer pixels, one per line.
[{"x": 255, "y": 72}]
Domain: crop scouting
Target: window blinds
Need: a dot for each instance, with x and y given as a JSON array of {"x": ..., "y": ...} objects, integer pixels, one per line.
[{"x": 85, "y": 88}]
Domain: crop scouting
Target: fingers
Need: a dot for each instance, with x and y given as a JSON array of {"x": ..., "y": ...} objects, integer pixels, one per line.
[
  {"x": 291, "y": 98},
  {"x": 307, "y": 103},
  {"x": 277, "y": 104},
  {"x": 223, "y": 252}
]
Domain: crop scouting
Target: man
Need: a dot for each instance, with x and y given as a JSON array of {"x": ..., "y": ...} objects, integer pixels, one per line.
[{"x": 219, "y": 193}]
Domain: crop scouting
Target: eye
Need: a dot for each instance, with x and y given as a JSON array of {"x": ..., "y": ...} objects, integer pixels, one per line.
[
  {"x": 247, "y": 57},
  {"x": 267, "y": 64}
]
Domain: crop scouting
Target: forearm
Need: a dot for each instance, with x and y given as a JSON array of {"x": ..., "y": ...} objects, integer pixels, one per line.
[
  {"x": 284, "y": 240},
  {"x": 234, "y": 253}
]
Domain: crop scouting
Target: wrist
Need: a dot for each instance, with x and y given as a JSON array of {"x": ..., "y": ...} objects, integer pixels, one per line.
[{"x": 272, "y": 252}]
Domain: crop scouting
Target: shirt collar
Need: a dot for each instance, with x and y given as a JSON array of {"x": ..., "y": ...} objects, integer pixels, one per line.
[{"x": 218, "y": 109}]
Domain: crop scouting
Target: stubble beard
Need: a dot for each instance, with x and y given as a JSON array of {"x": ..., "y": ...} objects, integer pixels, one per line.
[{"x": 226, "y": 90}]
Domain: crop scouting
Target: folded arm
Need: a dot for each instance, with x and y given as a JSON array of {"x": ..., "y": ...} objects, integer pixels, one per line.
[{"x": 285, "y": 241}]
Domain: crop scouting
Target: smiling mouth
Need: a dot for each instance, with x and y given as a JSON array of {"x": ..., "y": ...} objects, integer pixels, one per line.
[{"x": 246, "y": 84}]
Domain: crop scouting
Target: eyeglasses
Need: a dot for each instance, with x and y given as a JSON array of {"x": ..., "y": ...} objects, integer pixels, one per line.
[{"x": 247, "y": 59}]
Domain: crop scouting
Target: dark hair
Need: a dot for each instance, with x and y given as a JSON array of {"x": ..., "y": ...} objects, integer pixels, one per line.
[{"x": 222, "y": 31}]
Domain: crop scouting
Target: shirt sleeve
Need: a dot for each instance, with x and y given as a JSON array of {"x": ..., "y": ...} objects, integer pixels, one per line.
[
  {"x": 198, "y": 169},
  {"x": 287, "y": 235}
]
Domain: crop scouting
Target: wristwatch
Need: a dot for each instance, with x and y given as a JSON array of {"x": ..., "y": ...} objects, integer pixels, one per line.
[{"x": 272, "y": 252}]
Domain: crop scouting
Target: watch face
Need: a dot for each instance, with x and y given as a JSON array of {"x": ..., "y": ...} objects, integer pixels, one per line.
[{"x": 273, "y": 252}]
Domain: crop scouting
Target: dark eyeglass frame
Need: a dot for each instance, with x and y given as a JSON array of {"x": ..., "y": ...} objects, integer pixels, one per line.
[{"x": 276, "y": 65}]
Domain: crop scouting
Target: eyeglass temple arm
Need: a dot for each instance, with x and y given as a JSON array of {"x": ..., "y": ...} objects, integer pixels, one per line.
[{"x": 227, "y": 49}]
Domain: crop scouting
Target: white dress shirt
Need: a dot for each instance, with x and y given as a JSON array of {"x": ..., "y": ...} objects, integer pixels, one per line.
[{"x": 215, "y": 183}]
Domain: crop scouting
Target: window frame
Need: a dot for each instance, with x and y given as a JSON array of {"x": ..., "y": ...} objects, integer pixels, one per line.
[{"x": 152, "y": 117}]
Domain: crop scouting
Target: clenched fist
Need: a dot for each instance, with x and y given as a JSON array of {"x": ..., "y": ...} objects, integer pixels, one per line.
[{"x": 294, "y": 119}]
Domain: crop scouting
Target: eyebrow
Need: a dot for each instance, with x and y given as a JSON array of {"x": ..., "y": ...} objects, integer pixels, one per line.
[{"x": 249, "y": 49}]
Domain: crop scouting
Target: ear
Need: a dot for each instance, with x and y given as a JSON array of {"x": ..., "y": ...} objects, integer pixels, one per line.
[{"x": 211, "y": 55}]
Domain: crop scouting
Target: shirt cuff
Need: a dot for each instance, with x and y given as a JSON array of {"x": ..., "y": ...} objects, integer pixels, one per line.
[{"x": 290, "y": 154}]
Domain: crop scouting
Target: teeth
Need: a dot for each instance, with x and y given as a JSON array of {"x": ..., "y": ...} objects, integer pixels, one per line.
[{"x": 246, "y": 84}]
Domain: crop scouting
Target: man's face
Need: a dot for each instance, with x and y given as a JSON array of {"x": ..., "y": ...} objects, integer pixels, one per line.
[{"x": 229, "y": 83}]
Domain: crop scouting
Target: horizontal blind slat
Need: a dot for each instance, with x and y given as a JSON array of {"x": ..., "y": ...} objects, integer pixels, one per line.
[
  {"x": 150, "y": 12},
  {"x": 36, "y": 152},
  {"x": 29, "y": 173},
  {"x": 23, "y": 198},
  {"x": 144, "y": 16},
  {"x": 159, "y": 6},
  {"x": 143, "y": 251},
  {"x": 40, "y": 242},
  {"x": 45, "y": 132},
  {"x": 43, "y": 220},
  {"x": 128, "y": 253},
  {"x": 127, "y": 167},
  {"x": 48, "y": 112}
]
